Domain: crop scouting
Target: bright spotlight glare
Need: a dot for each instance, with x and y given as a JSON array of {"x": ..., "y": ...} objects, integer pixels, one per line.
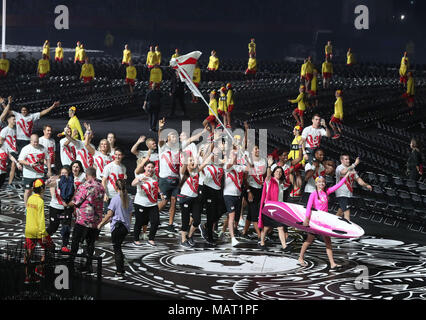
[{"x": 402, "y": 16}]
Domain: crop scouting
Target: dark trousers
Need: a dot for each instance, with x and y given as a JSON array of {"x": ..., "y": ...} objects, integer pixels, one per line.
[
  {"x": 181, "y": 99},
  {"x": 143, "y": 216},
  {"x": 215, "y": 207},
  {"x": 190, "y": 206},
  {"x": 117, "y": 236},
  {"x": 153, "y": 120},
  {"x": 56, "y": 217},
  {"x": 254, "y": 206},
  {"x": 81, "y": 233}
]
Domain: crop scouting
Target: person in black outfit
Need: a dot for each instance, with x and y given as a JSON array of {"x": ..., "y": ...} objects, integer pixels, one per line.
[
  {"x": 152, "y": 105},
  {"x": 177, "y": 93},
  {"x": 414, "y": 162}
]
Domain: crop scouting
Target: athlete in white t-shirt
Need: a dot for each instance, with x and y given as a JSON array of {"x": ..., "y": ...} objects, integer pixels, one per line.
[
  {"x": 8, "y": 139},
  {"x": 49, "y": 144},
  {"x": 112, "y": 172},
  {"x": 152, "y": 152},
  {"x": 33, "y": 157},
  {"x": 145, "y": 203},
  {"x": 345, "y": 192},
  {"x": 4, "y": 155},
  {"x": 67, "y": 149},
  {"x": 311, "y": 136},
  {"x": 82, "y": 153}
]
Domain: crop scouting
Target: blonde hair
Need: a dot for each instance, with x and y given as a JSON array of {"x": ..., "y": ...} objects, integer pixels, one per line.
[{"x": 109, "y": 146}]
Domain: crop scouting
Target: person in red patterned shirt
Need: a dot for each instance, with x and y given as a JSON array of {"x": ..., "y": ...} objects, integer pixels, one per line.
[{"x": 88, "y": 201}]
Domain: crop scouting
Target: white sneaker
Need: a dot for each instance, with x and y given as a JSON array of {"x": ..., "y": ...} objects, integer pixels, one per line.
[
  {"x": 234, "y": 242},
  {"x": 242, "y": 222},
  {"x": 145, "y": 236}
]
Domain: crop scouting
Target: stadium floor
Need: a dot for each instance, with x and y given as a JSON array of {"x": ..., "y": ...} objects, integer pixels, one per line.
[{"x": 395, "y": 270}]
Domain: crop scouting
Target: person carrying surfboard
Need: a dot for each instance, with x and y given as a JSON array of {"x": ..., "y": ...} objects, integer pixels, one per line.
[{"x": 319, "y": 200}]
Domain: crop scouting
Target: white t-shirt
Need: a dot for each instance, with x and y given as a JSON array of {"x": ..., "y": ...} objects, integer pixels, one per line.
[
  {"x": 82, "y": 154},
  {"x": 100, "y": 161},
  {"x": 9, "y": 138},
  {"x": 233, "y": 180},
  {"x": 146, "y": 192},
  {"x": 67, "y": 152},
  {"x": 213, "y": 176},
  {"x": 190, "y": 186},
  {"x": 4, "y": 155},
  {"x": 113, "y": 172},
  {"x": 56, "y": 200},
  {"x": 201, "y": 175},
  {"x": 32, "y": 155},
  {"x": 310, "y": 185},
  {"x": 50, "y": 146},
  {"x": 169, "y": 161},
  {"x": 153, "y": 157},
  {"x": 78, "y": 181},
  {"x": 313, "y": 136},
  {"x": 347, "y": 189},
  {"x": 190, "y": 151},
  {"x": 24, "y": 125},
  {"x": 255, "y": 175}
]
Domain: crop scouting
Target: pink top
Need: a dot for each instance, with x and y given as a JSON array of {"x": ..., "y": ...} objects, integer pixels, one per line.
[
  {"x": 270, "y": 192},
  {"x": 321, "y": 203}
]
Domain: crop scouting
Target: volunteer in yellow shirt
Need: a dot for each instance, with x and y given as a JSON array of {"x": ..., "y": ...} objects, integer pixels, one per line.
[
  {"x": 59, "y": 53},
  {"x": 131, "y": 74},
  {"x": 223, "y": 106},
  {"x": 229, "y": 100},
  {"x": 176, "y": 54},
  {"x": 87, "y": 71},
  {"x": 350, "y": 58},
  {"x": 303, "y": 71},
  {"x": 295, "y": 153},
  {"x": 327, "y": 73},
  {"x": 213, "y": 114},
  {"x": 46, "y": 49},
  {"x": 77, "y": 49},
  {"x": 301, "y": 106},
  {"x": 43, "y": 67},
  {"x": 329, "y": 51},
  {"x": 405, "y": 64},
  {"x": 409, "y": 94},
  {"x": 127, "y": 55},
  {"x": 4, "y": 65},
  {"x": 157, "y": 55},
  {"x": 150, "y": 58},
  {"x": 252, "y": 47},
  {"x": 337, "y": 118},
  {"x": 74, "y": 125},
  {"x": 309, "y": 70},
  {"x": 81, "y": 57},
  {"x": 213, "y": 62},
  {"x": 155, "y": 76},
  {"x": 314, "y": 88},
  {"x": 252, "y": 65},
  {"x": 196, "y": 78},
  {"x": 35, "y": 230}
]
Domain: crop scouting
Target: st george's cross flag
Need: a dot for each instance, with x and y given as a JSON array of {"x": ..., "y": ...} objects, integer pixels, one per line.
[{"x": 185, "y": 65}]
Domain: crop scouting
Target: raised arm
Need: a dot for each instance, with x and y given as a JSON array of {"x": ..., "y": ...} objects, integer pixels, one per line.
[
  {"x": 134, "y": 149},
  {"x": 161, "y": 124},
  {"x": 47, "y": 110},
  {"x": 88, "y": 138},
  {"x": 6, "y": 108}
]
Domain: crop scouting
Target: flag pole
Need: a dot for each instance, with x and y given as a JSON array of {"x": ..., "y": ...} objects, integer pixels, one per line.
[
  {"x": 3, "y": 28},
  {"x": 192, "y": 87}
]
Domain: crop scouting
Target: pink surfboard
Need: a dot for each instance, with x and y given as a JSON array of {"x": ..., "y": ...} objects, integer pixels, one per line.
[{"x": 321, "y": 223}]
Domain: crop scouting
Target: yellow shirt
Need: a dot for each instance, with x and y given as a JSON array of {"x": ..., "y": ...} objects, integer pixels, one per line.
[
  {"x": 329, "y": 49},
  {"x": 150, "y": 58},
  {"x": 230, "y": 97},
  {"x": 81, "y": 54},
  {"x": 4, "y": 65},
  {"x": 157, "y": 57},
  {"x": 303, "y": 70},
  {"x": 252, "y": 47},
  {"x": 410, "y": 86},
  {"x": 156, "y": 75},
  {"x": 300, "y": 100},
  {"x": 404, "y": 66},
  {"x": 74, "y": 124},
  {"x": 309, "y": 67},
  {"x": 87, "y": 70},
  {"x": 213, "y": 106},
  {"x": 223, "y": 105},
  {"x": 127, "y": 56},
  {"x": 350, "y": 57},
  {"x": 295, "y": 148},
  {"x": 338, "y": 108},
  {"x": 314, "y": 83},
  {"x": 35, "y": 227},
  {"x": 77, "y": 50},
  {"x": 175, "y": 55},
  {"x": 131, "y": 72},
  {"x": 327, "y": 67},
  {"x": 213, "y": 63},
  {"x": 252, "y": 64},
  {"x": 196, "y": 78},
  {"x": 43, "y": 66},
  {"x": 46, "y": 50},
  {"x": 59, "y": 53}
]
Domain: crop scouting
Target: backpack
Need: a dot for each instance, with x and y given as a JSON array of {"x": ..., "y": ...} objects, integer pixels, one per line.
[{"x": 66, "y": 185}]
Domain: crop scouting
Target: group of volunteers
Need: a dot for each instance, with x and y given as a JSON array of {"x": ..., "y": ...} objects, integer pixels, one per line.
[{"x": 220, "y": 177}]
